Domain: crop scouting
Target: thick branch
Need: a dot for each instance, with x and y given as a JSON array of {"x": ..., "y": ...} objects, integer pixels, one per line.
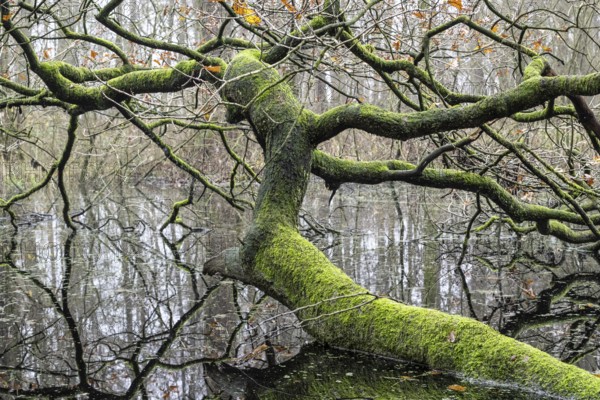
[
  {"x": 531, "y": 93},
  {"x": 337, "y": 311}
]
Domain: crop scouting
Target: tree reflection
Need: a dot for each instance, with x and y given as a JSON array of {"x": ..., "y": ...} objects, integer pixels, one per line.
[{"x": 117, "y": 308}]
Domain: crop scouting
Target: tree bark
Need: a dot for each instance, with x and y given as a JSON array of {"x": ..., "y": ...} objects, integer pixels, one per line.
[{"x": 334, "y": 309}]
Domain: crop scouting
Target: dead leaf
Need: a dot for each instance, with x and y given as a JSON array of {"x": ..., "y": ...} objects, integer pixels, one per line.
[
  {"x": 253, "y": 354},
  {"x": 457, "y": 388},
  {"x": 93, "y": 54},
  {"x": 290, "y": 7},
  {"x": 213, "y": 68},
  {"x": 419, "y": 15},
  {"x": 456, "y": 4},
  {"x": 241, "y": 8},
  {"x": 6, "y": 17},
  {"x": 589, "y": 179}
]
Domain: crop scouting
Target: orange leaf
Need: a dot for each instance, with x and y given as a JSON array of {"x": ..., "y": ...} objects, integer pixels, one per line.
[
  {"x": 213, "y": 68},
  {"x": 241, "y": 8},
  {"x": 6, "y": 17},
  {"x": 547, "y": 49},
  {"x": 289, "y": 6},
  {"x": 457, "y": 388},
  {"x": 419, "y": 14},
  {"x": 456, "y": 4},
  {"x": 46, "y": 54},
  {"x": 93, "y": 54},
  {"x": 396, "y": 45}
]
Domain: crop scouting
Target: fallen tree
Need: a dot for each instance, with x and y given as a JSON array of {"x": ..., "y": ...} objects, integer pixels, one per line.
[
  {"x": 274, "y": 257},
  {"x": 334, "y": 309}
]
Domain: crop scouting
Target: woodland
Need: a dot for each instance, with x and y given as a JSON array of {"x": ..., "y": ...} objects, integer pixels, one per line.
[{"x": 491, "y": 102}]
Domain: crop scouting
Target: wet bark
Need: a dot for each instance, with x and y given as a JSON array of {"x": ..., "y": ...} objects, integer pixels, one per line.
[{"x": 334, "y": 309}]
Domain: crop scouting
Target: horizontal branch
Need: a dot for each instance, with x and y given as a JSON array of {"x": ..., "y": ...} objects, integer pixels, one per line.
[
  {"x": 531, "y": 93},
  {"x": 373, "y": 172}
]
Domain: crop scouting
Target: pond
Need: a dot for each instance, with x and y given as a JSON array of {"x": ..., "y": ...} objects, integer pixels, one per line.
[{"x": 126, "y": 302}]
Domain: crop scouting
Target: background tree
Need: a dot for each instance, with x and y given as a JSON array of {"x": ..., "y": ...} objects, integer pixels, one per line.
[{"x": 466, "y": 97}]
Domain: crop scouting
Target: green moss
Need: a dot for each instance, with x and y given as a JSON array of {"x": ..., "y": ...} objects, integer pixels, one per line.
[
  {"x": 536, "y": 68},
  {"x": 332, "y": 307},
  {"x": 337, "y": 311}
]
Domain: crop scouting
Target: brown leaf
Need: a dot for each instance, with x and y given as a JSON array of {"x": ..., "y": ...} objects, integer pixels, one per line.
[
  {"x": 456, "y": 4},
  {"x": 241, "y": 8},
  {"x": 254, "y": 353},
  {"x": 290, "y": 7},
  {"x": 213, "y": 68},
  {"x": 93, "y": 54},
  {"x": 457, "y": 388},
  {"x": 6, "y": 17},
  {"x": 589, "y": 179}
]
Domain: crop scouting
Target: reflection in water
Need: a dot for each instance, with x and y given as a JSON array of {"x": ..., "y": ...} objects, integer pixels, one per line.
[
  {"x": 123, "y": 304},
  {"x": 325, "y": 374}
]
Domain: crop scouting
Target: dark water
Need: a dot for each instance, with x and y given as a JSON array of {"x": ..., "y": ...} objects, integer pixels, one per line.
[{"x": 143, "y": 312}]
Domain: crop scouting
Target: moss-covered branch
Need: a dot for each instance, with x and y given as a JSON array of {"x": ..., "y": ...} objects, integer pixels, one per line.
[
  {"x": 292, "y": 270},
  {"x": 374, "y": 172},
  {"x": 334, "y": 309},
  {"x": 531, "y": 93}
]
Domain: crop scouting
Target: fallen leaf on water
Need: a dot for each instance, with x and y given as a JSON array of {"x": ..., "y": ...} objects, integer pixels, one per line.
[{"x": 457, "y": 388}]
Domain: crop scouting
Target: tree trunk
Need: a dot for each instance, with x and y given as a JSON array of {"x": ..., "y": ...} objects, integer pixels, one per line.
[{"x": 335, "y": 310}]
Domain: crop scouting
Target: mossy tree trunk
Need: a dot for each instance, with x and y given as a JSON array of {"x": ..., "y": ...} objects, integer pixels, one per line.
[{"x": 331, "y": 307}]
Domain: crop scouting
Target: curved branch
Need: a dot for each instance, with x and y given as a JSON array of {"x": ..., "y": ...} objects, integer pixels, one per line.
[
  {"x": 374, "y": 172},
  {"x": 375, "y": 120}
]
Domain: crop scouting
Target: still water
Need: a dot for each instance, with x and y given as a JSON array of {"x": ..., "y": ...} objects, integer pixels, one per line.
[{"x": 127, "y": 304}]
